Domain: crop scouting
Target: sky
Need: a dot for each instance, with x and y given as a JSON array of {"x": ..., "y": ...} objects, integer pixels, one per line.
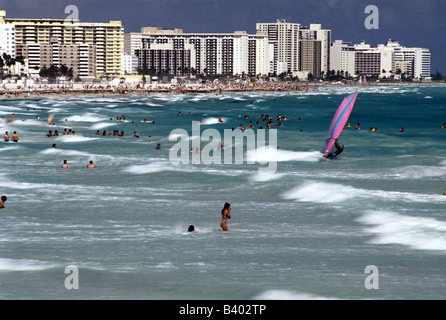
[{"x": 414, "y": 23}]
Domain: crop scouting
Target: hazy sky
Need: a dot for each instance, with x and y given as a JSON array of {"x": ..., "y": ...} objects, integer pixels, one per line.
[{"x": 417, "y": 23}]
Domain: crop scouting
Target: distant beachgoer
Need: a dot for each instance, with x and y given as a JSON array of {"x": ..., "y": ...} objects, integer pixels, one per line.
[
  {"x": 401, "y": 130},
  {"x": 444, "y": 193},
  {"x": 158, "y": 146},
  {"x": 6, "y": 137},
  {"x": 225, "y": 215},
  {"x": 91, "y": 164},
  {"x": 98, "y": 133},
  {"x": 49, "y": 134},
  {"x": 135, "y": 135},
  {"x": 357, "y": 127},
  {"x": 2, "y": 202},
  {"x": 15, "y": 137},
  {"x": 444, "y": 126},
  {"x": 65, "y": 164},
  {"x": 191, "y": 229},
  {"x": 54, "y": 146}
]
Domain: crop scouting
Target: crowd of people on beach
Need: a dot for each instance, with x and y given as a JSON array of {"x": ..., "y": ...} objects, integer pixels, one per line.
[{"x": 141, "y": 88}]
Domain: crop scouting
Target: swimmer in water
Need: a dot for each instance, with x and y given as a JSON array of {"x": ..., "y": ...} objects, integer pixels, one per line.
[
  {"x": 225, "y": 215},
  {"x": 91, "y": 164},
  {"x": 65, "y": 164},
  {"x": 2, "y": 202}
]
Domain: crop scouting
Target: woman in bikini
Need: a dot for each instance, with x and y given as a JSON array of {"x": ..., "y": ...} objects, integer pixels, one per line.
[{"x": 225, "y": 215}]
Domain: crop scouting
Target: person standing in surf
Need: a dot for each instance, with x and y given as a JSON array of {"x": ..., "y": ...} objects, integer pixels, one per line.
[
  {"x": 339, "y": 149},
  {"x": 225, "y": 215},
  {"x": 2, "y": 202}
]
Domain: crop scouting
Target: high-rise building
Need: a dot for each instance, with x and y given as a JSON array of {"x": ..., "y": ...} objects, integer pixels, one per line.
[
  {"x": 106, "y": 37},
  {"x": 342, "y": 57},
  {"x": 285, "y": 36},
  {"x": 81, "y": 58},
  {"x": 390, "y": 60},
  {"x": 315, "y": 33},
  {"x": 292, "y": 43},
  {"x": 310, "y": 57},
  {"x": 7, "y": 39},
  {"x": 415, "y": 62},
  {"x": 208, "y": 53},
  {"x": 376, "y": 61}
]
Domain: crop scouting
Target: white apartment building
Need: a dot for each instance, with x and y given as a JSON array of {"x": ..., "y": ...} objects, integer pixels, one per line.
[
  {"x": 208, "y": 53},
  {"x": 129, "y": 63},
  {"x": 387, "y": 60},
  {"x": 373, "y": 61},
  {"x": 342, "y": 57},
  {"x": 7, "y": 39},
  {"x": 414, "y": 62}
]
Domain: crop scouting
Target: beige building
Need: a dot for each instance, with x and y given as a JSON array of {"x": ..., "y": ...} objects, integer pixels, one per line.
[
  {"x": 285, "y": 36},
  {"x": 107, "y": 38},
  {"x": 310, "y": 57},
  {"x": 80, "y": 57}
]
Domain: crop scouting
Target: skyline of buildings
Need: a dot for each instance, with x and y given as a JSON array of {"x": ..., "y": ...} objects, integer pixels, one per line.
[{"x": 103, "y": 49}]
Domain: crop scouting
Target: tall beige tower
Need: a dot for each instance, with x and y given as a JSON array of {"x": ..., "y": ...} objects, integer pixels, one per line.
[{"x": 285, "y": 36}]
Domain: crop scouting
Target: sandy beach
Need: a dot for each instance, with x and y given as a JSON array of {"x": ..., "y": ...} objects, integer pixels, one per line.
[{"x": 14, "y": 91}]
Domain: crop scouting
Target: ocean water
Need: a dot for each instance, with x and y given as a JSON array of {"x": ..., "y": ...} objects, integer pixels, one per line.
[{"x": 309, "y": 230}]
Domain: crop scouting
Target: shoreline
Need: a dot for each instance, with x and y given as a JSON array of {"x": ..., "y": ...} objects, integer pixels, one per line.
[{"x": 55, "y": 91}]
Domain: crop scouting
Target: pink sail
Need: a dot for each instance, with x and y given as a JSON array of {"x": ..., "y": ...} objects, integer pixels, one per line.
[{"x": 339, "y": 121}]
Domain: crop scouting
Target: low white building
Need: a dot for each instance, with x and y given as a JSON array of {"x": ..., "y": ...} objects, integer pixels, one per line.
[{"x": 129, "y": 64}]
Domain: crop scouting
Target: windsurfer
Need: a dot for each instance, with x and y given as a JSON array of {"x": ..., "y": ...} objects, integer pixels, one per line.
[{"x": 337, "y": 152}]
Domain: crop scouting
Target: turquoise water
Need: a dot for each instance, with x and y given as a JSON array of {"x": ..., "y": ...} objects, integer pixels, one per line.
[{"x": 308, "y": 231}]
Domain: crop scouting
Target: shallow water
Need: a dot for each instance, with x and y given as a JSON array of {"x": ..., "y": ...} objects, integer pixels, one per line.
[{"x": 306, "y": 231}]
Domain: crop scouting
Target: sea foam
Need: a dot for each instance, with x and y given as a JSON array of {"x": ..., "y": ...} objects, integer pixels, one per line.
[
  {"x": 24, "y": 265},
  {"x": 419, "y": 233},
  {"x": 289, "y": 295}
]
